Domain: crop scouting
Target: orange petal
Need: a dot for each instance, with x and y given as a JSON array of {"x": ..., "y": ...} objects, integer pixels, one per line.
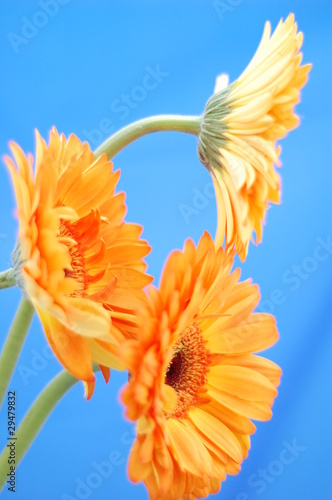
[
  {"x": 106, "y": 373},
  {"x": 262, "y": 365},
  {"x": 216, "y": 432},
  {"x": 188, "y": 450},
  {"x": 257, "y": 333},
  {"x": 105, "y": 354},
  {"x": 89, "y": 319},
  {"x": 243, "y": 382},
  {"x": 72, "y": 351},
  {"x": 251, "y": 409}
]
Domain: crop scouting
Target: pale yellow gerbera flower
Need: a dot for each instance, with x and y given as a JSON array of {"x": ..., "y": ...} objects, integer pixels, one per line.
[{"x": 241, "y": 124}]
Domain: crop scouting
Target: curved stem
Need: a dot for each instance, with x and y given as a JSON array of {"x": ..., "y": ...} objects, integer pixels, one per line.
[
  {"x": 160, "y": 123},
  {"x": 14, "y": 343},
  {"x": 7, "y": 278},
  {"x": 36, "y": 417}
]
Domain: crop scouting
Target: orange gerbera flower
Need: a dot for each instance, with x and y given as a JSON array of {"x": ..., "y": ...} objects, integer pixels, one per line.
[
  {"x": 195, "y": 382},
  {"x": 240, "y": 127},
  {"x": 76, "y": 260}
]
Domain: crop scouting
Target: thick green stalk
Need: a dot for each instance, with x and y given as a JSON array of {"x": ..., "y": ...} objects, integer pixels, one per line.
[
  {"x": 14, "y": 343},
  {"x": 35, "y": 418},
  {"x": 7, "y": 278},
  {"x": 160, "y": 123}
]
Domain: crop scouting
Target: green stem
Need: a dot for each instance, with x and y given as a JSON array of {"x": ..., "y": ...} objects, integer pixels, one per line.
[
  {"x": 7, "y": 278},
  {"x": 36, "y": 417},
  {"x": 160, "y": 123},
  {"x": 14, "y": 343}
]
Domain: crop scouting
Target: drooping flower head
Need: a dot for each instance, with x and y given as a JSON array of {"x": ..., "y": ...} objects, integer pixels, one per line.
[
  {"x": 195, "y": 381},
  {"x": 241, "y": 124},
  {"x": 76, "y": 259}
]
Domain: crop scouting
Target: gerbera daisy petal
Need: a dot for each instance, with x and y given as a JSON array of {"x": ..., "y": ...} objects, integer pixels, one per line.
[
  {"x": 254, "y": 335},
  {"x": 106, "y": 372},
  {"x": 76, "y": 259},
  {"x": 217, "y": 432},
  {"x": 178, "y": 484},
  {"x": 194, "y": 383},
  {"x": 136, "y": 468},
  {"x": 188, "y": 450},
  {"x": 72, "y": 350},
  {"x": 104, "y": 354},
  {"x": 246, "y": 383},
  {"x": 264, "y": 366},
  {"x": 244, "y": 407},
  {"x": 234, "y": 421}
]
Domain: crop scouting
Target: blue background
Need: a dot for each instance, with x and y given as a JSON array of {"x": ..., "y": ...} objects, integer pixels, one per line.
[{"x": 72, "y": 72}]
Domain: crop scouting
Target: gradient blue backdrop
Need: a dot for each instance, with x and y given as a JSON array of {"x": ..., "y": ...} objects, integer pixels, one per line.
[{"x": 71, "y": 68}]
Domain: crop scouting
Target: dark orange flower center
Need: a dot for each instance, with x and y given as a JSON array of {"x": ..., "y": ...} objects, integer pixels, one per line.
[
  {"x": 77, "y": 272},
  {"x": 187, "y": 371}
]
